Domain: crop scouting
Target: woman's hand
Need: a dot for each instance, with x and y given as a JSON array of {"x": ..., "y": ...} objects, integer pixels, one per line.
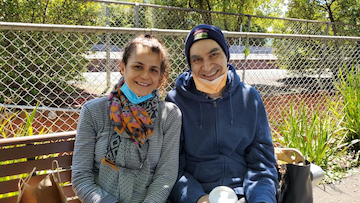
[{"x": 204, "y": 199}]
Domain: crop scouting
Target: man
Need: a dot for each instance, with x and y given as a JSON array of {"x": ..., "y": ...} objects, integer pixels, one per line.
[{"x": 226, "y": 136}]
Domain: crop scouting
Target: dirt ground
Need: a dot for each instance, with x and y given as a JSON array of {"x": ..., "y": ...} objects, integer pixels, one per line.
[{"x": 346, "y": 191}]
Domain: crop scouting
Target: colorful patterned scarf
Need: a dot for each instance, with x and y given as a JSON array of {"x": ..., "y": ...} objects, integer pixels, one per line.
[{"x": 135, "y": 119}]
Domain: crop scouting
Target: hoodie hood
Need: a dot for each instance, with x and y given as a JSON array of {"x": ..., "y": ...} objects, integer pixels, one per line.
[{"x": 186, "y": 87}]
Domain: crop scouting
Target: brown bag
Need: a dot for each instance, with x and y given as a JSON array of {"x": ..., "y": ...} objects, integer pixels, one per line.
[{"x": 47, "y": 191}]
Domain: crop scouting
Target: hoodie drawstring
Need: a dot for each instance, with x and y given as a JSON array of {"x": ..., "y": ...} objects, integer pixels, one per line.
[
  {"x": 232, "y": 113},
  {"x": 200, "y": 115}
]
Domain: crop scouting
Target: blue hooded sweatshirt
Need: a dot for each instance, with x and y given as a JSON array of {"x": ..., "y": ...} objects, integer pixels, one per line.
[{"x": 224, "y": 141}]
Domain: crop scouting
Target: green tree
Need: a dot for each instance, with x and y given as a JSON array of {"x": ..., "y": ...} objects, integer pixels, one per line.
[
  {"x": 304, "y": 9},
  {"x": 35, "y": 64},
  {"x": 334, "y": 11},
  {"x": 231, "y": 16},
  {"x": 343, "y": 18},
  {"x": 50, "y": 12}
]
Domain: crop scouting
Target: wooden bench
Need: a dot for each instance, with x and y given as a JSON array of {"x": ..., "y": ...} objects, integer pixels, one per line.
[{"x": 35, "y": 151}]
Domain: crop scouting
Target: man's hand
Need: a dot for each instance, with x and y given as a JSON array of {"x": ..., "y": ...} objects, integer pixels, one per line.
[{"x": 204, "y": 199}]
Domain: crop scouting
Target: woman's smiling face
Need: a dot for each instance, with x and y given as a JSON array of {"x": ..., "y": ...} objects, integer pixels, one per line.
[{"x": 142, "y": 71}]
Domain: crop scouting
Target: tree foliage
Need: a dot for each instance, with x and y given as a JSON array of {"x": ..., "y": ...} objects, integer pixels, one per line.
[
  {"x": 49, "y": 11},
  {"x": 225, "y": 21},
  {"x": 34, "y": 63},
  {"x": 334, "y": 11},
  {"x": 338, "y": 13}
]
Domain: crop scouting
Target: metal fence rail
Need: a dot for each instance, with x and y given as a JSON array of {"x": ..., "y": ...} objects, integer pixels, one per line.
[
  {"x": 59, "y": 67},
  {"x": 142, "y": 15}
]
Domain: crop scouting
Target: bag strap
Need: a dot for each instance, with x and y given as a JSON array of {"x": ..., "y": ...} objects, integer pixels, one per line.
[
  {"x": 290, "y": 155},
  {"x": 57, "y": 169},
  {"x": 22, "y": 181}
]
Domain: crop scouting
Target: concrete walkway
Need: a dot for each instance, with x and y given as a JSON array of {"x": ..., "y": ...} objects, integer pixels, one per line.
[{"x": 346, "y": 191}]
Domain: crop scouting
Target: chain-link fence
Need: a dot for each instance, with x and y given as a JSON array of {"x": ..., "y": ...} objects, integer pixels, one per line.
[
  {"x": 59, "y": 67},
  {"x": 142, "y": 15}
]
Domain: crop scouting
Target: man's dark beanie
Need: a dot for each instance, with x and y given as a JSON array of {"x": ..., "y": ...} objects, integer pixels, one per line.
[{"x": 205, "y": 31}]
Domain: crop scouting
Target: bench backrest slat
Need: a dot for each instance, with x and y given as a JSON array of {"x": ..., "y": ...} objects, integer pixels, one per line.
[
  {"x": 9, "y": 200},
  {"x": 35, "y": 151},
  {"x": 35, "y": 145},
  {"x": 40, "y": 164},
  {"x": 32, "y": 150}
]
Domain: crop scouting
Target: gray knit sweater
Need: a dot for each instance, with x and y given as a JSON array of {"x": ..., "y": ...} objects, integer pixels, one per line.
[{"x": 91, "y": 143}]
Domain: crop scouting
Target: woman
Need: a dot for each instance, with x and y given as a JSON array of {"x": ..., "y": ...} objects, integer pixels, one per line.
[{"x": 126, "y": 147}]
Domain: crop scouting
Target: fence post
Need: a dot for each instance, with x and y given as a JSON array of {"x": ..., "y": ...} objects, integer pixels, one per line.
[
  {"x": 327, "y": 28},
  {"x": 108, "y": 52},
  {"x": 246, "y": 47},
  {"x": 323, "y": 59},
  {"x": 136, "y": 15}
]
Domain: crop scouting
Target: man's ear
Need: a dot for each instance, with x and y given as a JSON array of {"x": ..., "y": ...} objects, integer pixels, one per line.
[{"x": 122, "y": 68}]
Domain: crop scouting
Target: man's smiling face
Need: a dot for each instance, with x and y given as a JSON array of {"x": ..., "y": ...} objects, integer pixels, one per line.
[{"x": 207, "y": 59}]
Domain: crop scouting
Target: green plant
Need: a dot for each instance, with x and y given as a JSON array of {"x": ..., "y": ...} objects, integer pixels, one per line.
[
  {"x": 313, "y": 131},
  {"x": 5, "y": 121},
  {"x": 8, "y": 129},
  {"x": 349, "y": 88}
]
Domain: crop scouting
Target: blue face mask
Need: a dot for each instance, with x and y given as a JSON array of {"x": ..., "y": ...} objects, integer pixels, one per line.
[{"x": 132, "y": 97}]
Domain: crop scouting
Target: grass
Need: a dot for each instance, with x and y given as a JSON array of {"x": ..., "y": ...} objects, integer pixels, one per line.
[
  {"x": 8, "y": 129},
  {"x": 349, "y": 88},
  {"x": 311, "y": 131},
  {"x": 320, "y": 135}
]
